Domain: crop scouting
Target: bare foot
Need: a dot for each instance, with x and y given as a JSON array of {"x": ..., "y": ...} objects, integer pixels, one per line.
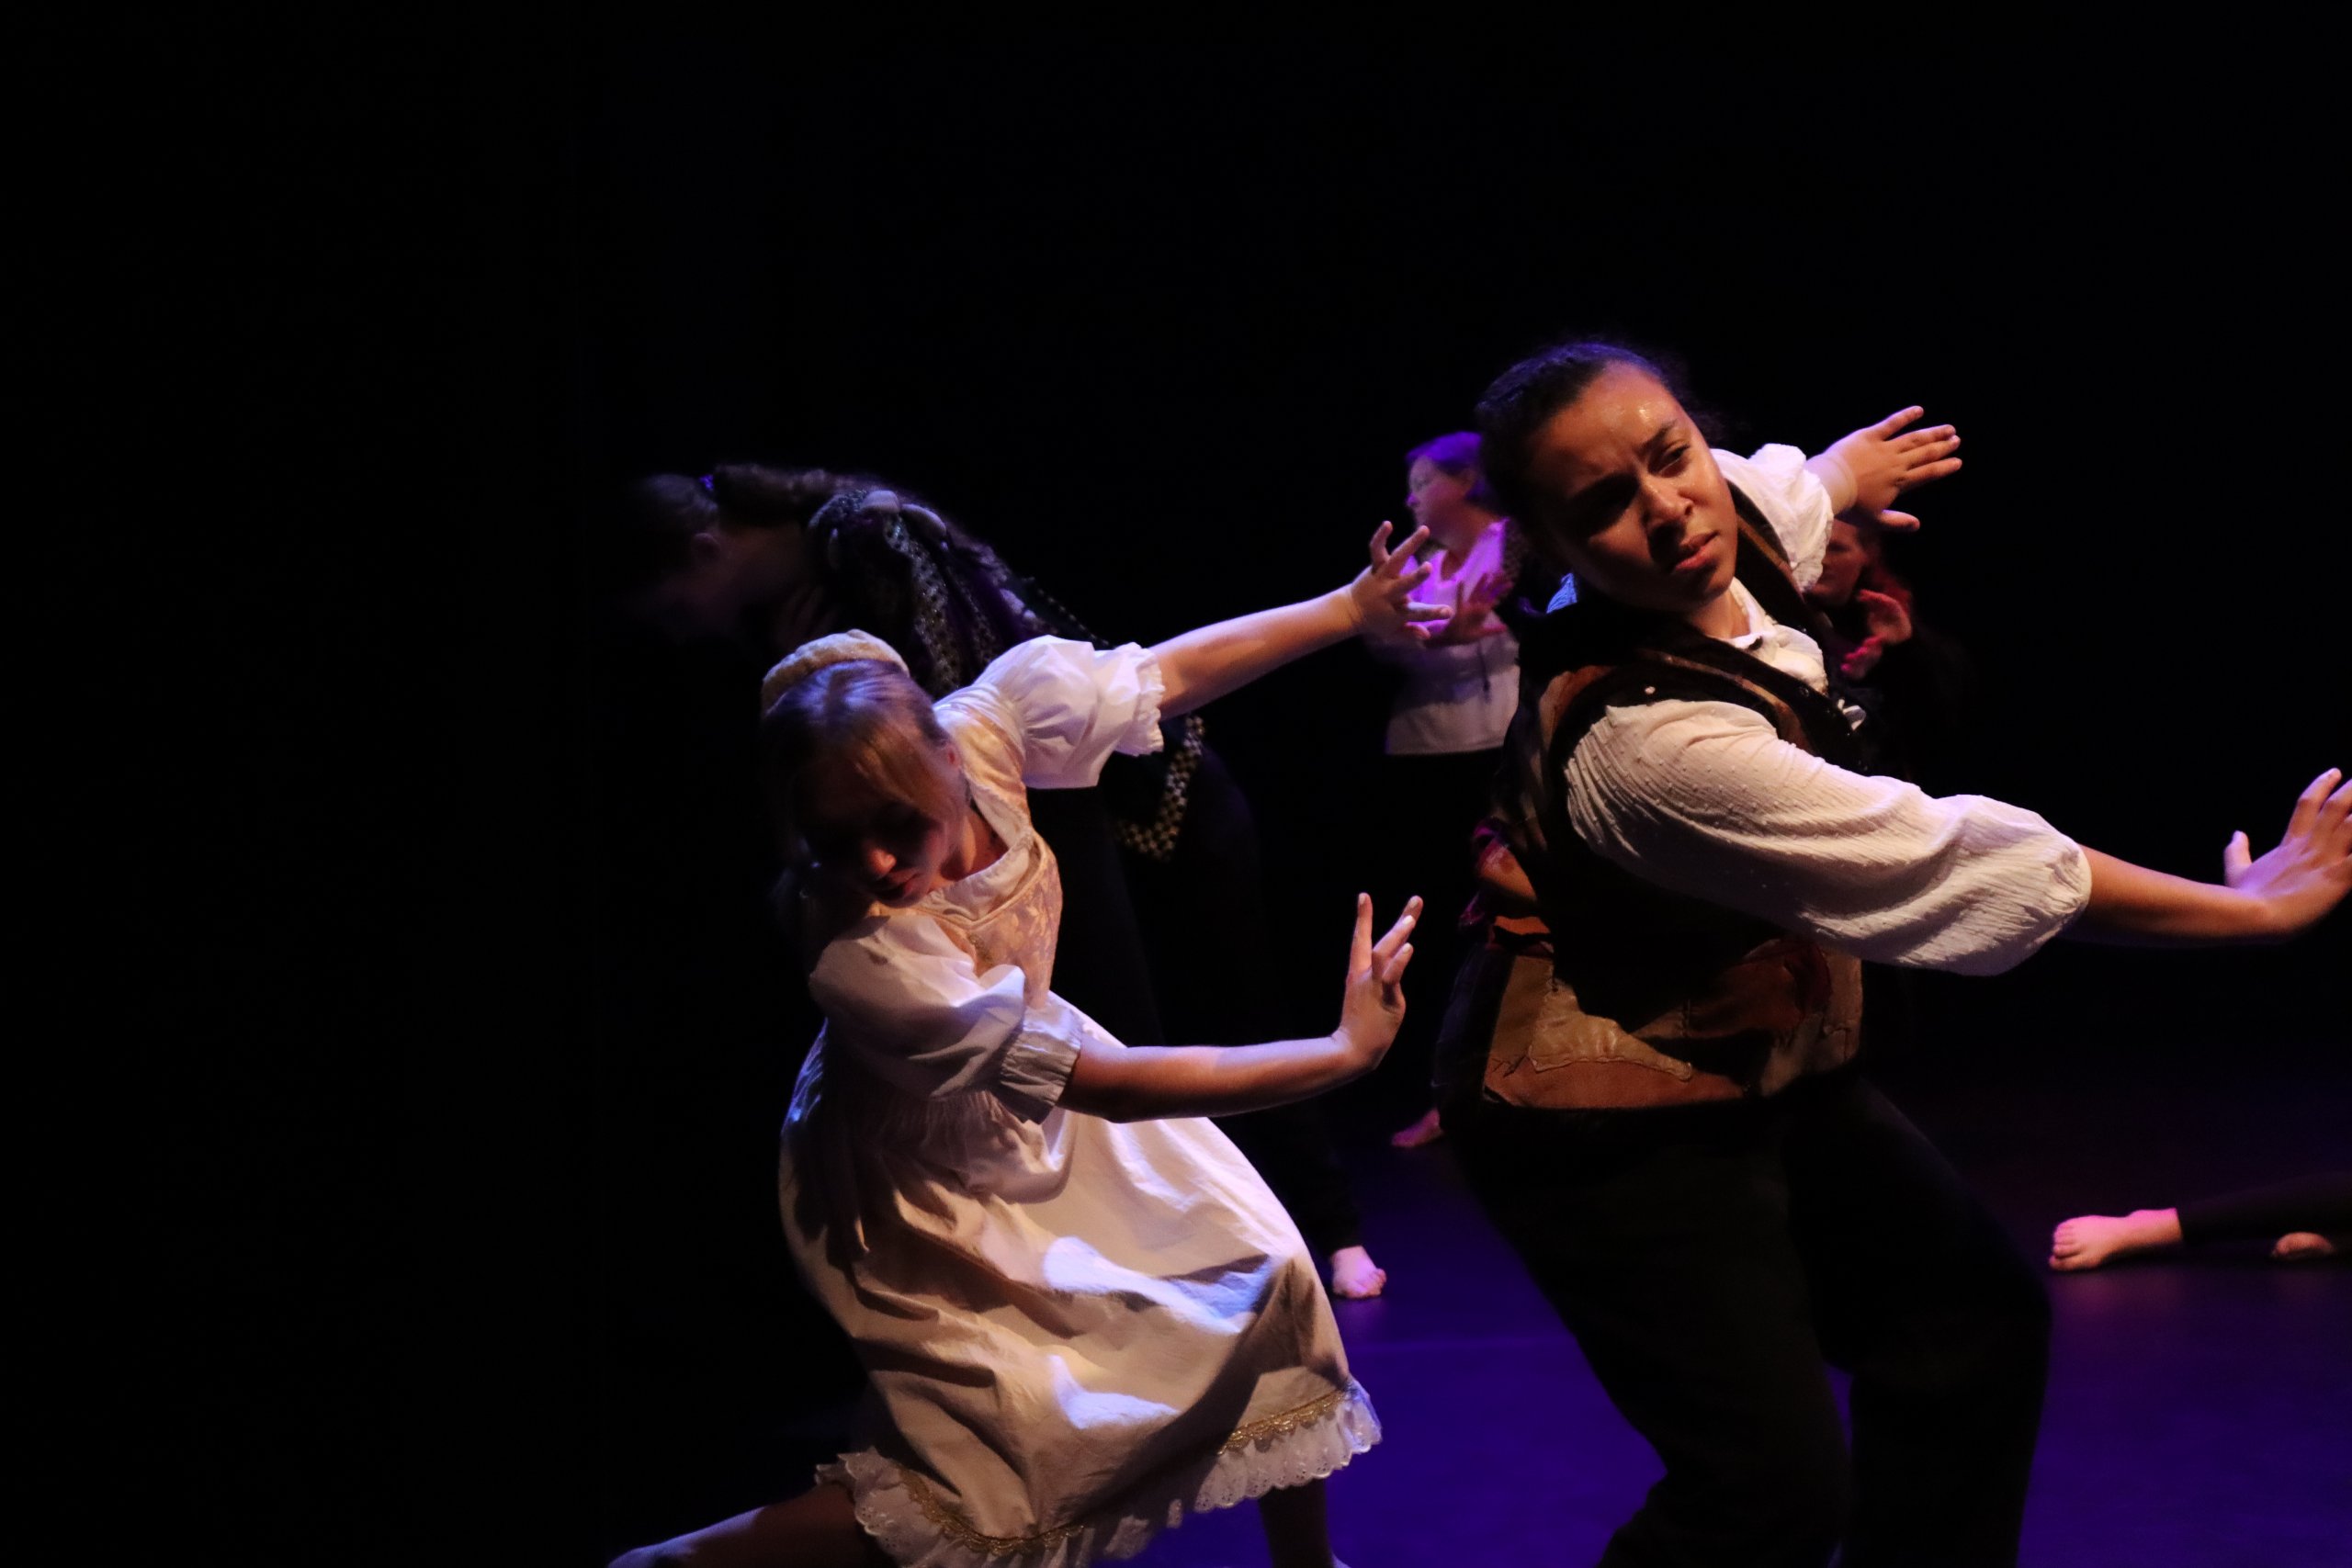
[
  {"x": 2088, "y": 1240},
  {"x": 1428, "y": 1130},
  {"x": 1355, "y": 1276},
  {"x": 2296, "y": 1245}
]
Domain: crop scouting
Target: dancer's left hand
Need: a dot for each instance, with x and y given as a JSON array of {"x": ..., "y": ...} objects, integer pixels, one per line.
[
  {"x": 2311, "y": 870},
  {"x": 1381, "y": 598}
]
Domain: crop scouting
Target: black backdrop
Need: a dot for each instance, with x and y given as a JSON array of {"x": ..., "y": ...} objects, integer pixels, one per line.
[
  {"x": 1161, "y": 325},
  {"x": 1158, "y": 316},
  {"x": 1162, "y": 322}
]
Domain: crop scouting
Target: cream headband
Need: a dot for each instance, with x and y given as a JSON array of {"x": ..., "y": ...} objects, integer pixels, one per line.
[{"x": 810, "y": 656}]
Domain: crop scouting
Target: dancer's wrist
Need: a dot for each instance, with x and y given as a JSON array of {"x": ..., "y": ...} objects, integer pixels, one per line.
[
  {"x": 1837, "y": 477},
  {"x": 1346, "y": 612}
]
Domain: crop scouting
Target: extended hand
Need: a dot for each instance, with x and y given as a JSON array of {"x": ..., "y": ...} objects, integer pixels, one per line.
[
  {"x": 1373, "y": 1007},
  {"x": 1883, "y": 460},
  {"x": 1883, "y": 613},
  {"x": 1381, "y": 598},
  {"x": 1474, "y": 618},
  {"x": 2311, "y": 870}
]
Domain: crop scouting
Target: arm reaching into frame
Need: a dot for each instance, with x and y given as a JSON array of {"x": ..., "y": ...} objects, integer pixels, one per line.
[
  {"x": 1202, "y": 665},
  {"x": 1865, "y": 471},
  {"x": 2273, "y": 899},
  {"x": 1139, "y": 1083}
]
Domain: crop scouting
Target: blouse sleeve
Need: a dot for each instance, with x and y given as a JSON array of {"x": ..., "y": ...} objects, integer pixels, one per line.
[
  {"x": 1705, "y": 799},
  {"x": 1790, "y": 497},
  {"x": 902, "y": 998},
  {"x": 1070, "y": 705}
]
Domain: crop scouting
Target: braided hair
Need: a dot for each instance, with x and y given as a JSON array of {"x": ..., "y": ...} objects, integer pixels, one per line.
[
  {"x": 942, "y": 598},
  {"x": 949, "y": 605},
  {"x": 946, "y": 601}
]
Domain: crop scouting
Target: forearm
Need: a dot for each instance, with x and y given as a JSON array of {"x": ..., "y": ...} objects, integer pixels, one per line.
[
  {"x": 1139, "y": 1083},
  {"x": 1836, "y": 477},
  {"x": 1202, "y": 665},
  {"x": 2133, "y": 907}
]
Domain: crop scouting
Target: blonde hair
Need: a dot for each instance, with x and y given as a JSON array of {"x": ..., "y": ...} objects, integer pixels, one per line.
[{"x": 867, "y": 715}]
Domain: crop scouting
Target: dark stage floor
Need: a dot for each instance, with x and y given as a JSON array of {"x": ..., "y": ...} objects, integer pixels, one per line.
[{"x": 2196, "y": 1410}]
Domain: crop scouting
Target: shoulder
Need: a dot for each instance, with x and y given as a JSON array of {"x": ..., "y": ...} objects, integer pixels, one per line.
[
  {"x": 1773, "y": 468},
  {"x": 1792, "y": 501},
  {"x": 984, "y": 725},
  {"x": 1049, "y": 674},
  {"x": 1682, "y": 758},
  {"x": 870, "y": 951}
]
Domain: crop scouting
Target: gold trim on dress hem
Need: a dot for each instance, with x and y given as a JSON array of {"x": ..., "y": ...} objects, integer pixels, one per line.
[
  {"x": 959, "y": 1529},
  {"x": 1283, "y": 1424}
]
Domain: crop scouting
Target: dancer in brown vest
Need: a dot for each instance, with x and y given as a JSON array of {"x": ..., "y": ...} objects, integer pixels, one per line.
[{"x": 1670, "y": 1126}]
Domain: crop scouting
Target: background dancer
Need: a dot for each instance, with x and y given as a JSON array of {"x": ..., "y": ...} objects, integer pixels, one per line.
[
  {"x": 1912, "y": 682},
  {"x": 1448, "y": 718}
]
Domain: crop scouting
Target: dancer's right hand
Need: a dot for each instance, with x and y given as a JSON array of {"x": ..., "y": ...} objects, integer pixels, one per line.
[
  {"x": 2311, "y": 870},
  {"x": 1373, "y": 1007}
]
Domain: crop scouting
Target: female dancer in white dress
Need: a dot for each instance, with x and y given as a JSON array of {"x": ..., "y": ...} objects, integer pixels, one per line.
[{"x": 1083, "y": 1314}]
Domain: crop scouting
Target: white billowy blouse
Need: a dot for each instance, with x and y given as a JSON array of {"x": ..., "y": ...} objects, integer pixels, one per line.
[
  {"x": 952, "y": 995},
  {"x": 1705, "y": 798}
]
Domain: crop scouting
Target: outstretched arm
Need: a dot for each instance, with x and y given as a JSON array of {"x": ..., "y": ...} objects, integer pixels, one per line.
[
  {"x": 1202, "y": 665},
  {"x": 1864, "y": 472},
  {"x": 1141, "y": 1082},
  {"x": 2269, "y": 899}
]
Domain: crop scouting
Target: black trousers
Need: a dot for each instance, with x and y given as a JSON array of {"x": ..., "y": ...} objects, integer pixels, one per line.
[
  {"x": 1713, "y": 1261},
  {"x": 2322, "y": 1203},
  {"x": 1428, "y": 808}
]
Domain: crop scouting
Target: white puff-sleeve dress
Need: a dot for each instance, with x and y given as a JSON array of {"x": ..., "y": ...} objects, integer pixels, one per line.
[{"x": 1078, "y": 1331}]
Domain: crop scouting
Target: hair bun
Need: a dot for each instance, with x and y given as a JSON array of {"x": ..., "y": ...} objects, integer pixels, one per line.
[
  {"x": 841, "y": 648},
  {"x": 847, "y": 512}
]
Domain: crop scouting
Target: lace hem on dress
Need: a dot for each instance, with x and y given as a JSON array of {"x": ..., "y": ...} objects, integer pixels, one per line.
[{"x": 917, "y": 1531}]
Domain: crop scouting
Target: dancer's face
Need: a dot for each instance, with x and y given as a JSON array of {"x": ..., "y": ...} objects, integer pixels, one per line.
[
  {"x": 1842, "y": 567},
  {"x": 1631, "y": 499},
  {"x": 1437, "y": 500},
  {"x": 885, "y": 848}
]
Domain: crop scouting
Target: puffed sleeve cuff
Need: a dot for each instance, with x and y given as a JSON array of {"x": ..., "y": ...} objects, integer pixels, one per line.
[
  {"x": 1044, "y": 1053},
  {"x": 2052, "y": 906},
  {"x": 1792, "y": 498},
  {"x": 1074, "y": 704}
]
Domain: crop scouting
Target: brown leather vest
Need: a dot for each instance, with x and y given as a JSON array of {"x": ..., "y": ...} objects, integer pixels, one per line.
[{"x": 1654, "y": 997}]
